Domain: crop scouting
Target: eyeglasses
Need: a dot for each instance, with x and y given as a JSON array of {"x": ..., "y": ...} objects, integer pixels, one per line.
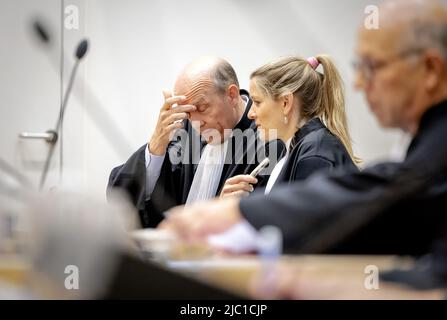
[{"x": 368, "y": 67}]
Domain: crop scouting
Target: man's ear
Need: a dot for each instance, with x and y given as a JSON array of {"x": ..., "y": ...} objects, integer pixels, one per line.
[
  {"x": 434, "y": 67},
  {"x": 287, "y": 101},
  {"x": 233, "y": 93}
]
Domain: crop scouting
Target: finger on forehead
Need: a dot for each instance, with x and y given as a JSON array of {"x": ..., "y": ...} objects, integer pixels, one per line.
[
  {"x": 176, "y": 99},
  {"x": 184, "y": 107},
  {"x": 172, "y": 100}
]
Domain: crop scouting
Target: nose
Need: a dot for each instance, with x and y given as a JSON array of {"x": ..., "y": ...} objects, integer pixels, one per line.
[
  {"x": 194, "y": 116},
  {"x": 195, "y": 119},
  {"x": 359, "y": 81},
  {"x": 251, "y": 113}
]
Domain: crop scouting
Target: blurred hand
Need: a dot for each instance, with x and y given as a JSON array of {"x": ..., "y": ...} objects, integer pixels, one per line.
[
  {"x": 167, "y": 124},
  {"x": 200, "y": 220},
  {"x": 240, "y": 185}
]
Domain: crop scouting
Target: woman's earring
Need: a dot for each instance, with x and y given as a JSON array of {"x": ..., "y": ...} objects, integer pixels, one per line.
[{"x": 286, "y": 121}]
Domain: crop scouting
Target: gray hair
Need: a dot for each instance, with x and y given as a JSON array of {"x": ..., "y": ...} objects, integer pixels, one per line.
[
  {"x": 427, "y": 34},
  {"x": 224, "y": 76},
  {"x": 425, "y": 23}
]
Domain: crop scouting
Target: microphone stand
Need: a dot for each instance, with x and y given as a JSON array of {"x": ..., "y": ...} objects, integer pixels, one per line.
[{"x": 51, "y": 136}]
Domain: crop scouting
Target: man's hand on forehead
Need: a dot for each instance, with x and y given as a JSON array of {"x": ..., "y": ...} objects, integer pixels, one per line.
[{"x": 171, "y": 117}]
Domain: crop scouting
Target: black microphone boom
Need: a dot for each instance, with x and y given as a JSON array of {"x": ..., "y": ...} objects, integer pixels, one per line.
[
  {"x": 41, "y": 32},
  {"x": 80, "y": 52}
]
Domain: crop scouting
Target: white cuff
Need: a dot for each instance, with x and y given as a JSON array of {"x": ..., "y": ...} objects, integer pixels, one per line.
[
  {"x": 153, "y": 168},
  {"x": 149, "y": 158}
]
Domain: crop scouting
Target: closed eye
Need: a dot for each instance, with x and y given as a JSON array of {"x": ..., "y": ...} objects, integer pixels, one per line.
[{"x": 202, "y": 107}]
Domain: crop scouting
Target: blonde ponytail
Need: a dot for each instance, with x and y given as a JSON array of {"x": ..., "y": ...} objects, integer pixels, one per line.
[{"x": 333, "y": 104}]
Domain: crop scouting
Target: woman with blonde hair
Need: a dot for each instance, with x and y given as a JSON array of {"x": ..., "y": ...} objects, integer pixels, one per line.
[{"x": 306, "y": 110}]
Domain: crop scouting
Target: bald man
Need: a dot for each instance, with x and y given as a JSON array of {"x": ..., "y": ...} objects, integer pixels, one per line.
[
  {"x": 390, "y": 208},
  {"x": 197, "y": 143}
]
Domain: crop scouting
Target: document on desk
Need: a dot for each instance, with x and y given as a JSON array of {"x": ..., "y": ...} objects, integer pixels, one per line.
[{"x": 241, "y": 238}]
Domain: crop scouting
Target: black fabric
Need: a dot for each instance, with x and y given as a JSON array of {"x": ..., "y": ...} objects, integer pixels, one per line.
[
  {"x": 314, "y": 149},
  {"x": 428, "y": 272},
  {"x": 136, "y": 278},
  {"x": 175, "y": 179},
  {"x": 390, "y": 208}
]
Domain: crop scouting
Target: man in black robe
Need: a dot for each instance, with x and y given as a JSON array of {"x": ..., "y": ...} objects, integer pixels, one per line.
[{"x": 208, "y": 109}]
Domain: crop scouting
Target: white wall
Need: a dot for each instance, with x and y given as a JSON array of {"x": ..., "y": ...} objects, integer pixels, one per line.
[
  {"x": 137, "y": 48},
  {"x": 29, "y": 86}
]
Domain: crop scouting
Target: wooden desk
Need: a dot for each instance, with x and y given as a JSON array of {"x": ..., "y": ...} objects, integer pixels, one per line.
[
  {"x": 14, "y": 269},
  {"x": 313, "y": 276},
  {"x": 310, "y": 276}
]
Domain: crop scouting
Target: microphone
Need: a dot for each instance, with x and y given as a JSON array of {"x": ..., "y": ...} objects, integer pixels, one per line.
[
  {"x": 80, "y": 52},
  {"x": 41, "y": 31},
  {"x": 82, "y": 49}
]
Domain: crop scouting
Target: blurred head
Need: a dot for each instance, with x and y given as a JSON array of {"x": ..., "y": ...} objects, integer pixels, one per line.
[
  {"x": 401, "y": 66},
  {"x": 212, "y": 86},
  {"x": 288, "y": 92}
]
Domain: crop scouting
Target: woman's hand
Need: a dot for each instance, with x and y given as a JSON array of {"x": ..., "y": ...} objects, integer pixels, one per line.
[{"x": 240, "y": 185}]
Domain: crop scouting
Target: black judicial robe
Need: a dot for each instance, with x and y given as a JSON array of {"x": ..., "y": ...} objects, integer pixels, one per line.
[
  {"x": 314, "y": 149},
  {"x": 175, "y": 179},
  {"x": 390, "y": 208}
]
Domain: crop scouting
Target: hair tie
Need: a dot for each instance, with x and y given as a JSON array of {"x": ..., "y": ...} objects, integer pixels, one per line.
[{"x": 313, "y": 62}]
